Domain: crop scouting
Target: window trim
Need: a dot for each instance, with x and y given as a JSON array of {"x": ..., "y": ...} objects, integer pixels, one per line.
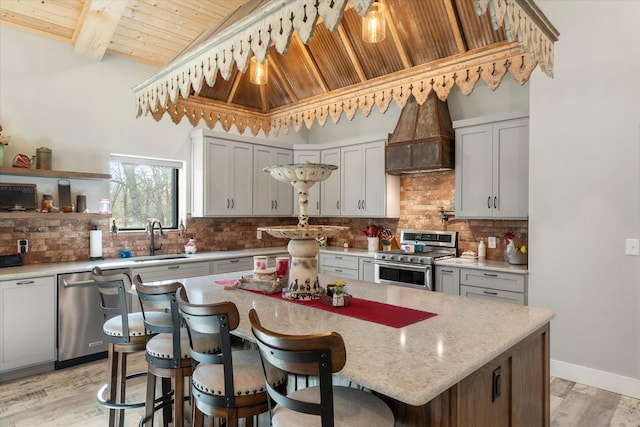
[{"x": 179, "y": 167}]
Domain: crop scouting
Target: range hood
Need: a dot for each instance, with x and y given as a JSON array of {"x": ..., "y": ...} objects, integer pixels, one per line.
[{"x": 423, "y": 140}]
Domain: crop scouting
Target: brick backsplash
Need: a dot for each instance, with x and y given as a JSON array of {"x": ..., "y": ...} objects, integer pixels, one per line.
[{"x": 65, "y": 237}]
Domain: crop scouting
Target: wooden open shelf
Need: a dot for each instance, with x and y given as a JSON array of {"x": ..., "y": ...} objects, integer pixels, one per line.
[{"x": 53, "y": 173}]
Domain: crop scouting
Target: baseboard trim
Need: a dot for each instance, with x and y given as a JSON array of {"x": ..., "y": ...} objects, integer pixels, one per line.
[{"x": 595, "y": 378}]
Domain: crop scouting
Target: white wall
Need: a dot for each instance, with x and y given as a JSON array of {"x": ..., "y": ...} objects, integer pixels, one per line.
[
  {"x": 81, "y": 109},
  {"x": 585, "y": 193}
]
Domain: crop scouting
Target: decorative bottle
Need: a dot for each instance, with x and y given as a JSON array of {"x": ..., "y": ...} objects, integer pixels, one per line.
[{"x": 482, "y": 249}]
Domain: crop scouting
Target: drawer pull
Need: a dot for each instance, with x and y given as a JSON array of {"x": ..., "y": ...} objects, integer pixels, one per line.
[
  {"x": 173, "y": 267},
  {"x": 234, "y": 260},
  {"x": 25, "y": 282},
  {"x": 447, "y": 271},
  {"x": 490, "y": 292},
  {"x": 338, "y": 270},
  {"x": 490, "y": 274},
  {"x": 338, "y": 257}
]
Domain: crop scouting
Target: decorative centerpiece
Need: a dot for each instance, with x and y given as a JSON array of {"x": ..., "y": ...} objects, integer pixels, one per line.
[
  {"x": 336, "y": 295},
  {"x": 516, "y": 254},
  {"x": 303, "y": 246}
]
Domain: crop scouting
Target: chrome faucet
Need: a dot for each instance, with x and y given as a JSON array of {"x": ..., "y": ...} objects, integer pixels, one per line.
[{"x": 151, "y": 230}]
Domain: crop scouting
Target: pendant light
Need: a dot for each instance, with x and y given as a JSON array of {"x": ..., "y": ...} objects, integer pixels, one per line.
[
  {"x": 374, "y": 24},
  {"x": 258, "y": 71}
]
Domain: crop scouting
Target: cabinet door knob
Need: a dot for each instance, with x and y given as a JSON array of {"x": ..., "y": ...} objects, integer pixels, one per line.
[
  {"x": 489, "y": 202},
  {"x": 363, "y": 205},
  {"x": 228, "y": 204},
  {"x": 495, "y": 202},
  {"x": 232, "y": 203},
  {"x": 275, "y": 204}
]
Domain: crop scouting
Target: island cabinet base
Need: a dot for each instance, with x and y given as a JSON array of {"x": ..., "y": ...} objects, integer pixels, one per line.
[{"x": 511, "y": 391}]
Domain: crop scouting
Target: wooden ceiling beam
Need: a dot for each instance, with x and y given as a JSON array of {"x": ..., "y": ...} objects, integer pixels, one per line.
[
  {"x": 352, "y": 53},
  {"x": 456, "y": 28},
  {"x": 234, "y": 87},
  {"x": 311, "y": 63},
  {"x": 274, "y": 68},
  {"x": 397, "y": 42},
  {"x": 96, "y": 27}
]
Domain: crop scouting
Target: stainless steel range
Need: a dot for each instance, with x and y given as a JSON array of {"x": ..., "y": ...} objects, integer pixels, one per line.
[{"x": 404, "y": 268}]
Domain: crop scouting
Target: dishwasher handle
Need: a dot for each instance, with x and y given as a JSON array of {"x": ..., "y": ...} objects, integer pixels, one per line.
[{"x": 70, "y": 284}]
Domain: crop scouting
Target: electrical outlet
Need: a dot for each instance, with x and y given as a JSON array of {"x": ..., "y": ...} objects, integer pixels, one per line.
[
  {"x": 492, "y": 242},
  {"x": 23, "y": 246},
  {"x": 632, "y": 247},
  {"x": 259, "y": 236}
]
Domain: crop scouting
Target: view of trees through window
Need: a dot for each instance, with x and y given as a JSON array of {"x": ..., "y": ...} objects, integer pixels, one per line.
[{"x": 141, "y": 192}]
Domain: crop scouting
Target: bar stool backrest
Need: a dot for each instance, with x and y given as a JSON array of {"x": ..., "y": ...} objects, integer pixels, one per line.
[
  {"x": 314, "y": 355},
  {"x": 113, "y": 290},
  {"x": 216, "y": 320},
  {"x": 156, "y": 297}
]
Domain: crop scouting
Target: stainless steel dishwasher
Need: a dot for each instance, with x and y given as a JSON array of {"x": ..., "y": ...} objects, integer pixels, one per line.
[{"x": 80, "y": 319}]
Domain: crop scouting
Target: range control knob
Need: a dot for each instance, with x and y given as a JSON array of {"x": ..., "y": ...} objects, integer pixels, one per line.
[{"x": 400, "y": 258}]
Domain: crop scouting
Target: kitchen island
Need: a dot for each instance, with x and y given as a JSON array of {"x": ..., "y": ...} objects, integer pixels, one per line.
[{"x": 475, "y": 363}]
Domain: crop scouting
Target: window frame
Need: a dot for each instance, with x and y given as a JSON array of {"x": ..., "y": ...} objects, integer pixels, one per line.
[{"x": 179, "y": 183}]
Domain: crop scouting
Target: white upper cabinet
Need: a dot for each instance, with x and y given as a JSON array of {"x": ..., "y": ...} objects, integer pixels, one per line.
[
  {"x": 222, "y": 177},
  {"x": 313, "y": 205},
  {"x": 366, "y": 189},
  {"x": 330, "y": 187},
  {"x": 492, "y": 169},
  {"x": 270, "y": 196}
]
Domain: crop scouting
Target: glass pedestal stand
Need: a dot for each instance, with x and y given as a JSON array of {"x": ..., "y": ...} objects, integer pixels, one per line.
[{"x": 303, "y": 247}]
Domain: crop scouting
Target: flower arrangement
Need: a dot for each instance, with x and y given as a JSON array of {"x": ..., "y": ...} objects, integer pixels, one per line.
[
  {"x": 372, "y": 231},
  {"x": 336, "y": 295}
]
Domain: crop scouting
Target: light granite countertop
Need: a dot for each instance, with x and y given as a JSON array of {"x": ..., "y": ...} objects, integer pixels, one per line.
[
  {"x": 412, "y": 364},
  {"x": 484, "y": 264},
  {"x": 48, "y": 269}
]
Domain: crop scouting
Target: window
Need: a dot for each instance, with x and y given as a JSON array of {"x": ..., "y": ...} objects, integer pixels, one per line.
[{"x": 143, "y": 189}]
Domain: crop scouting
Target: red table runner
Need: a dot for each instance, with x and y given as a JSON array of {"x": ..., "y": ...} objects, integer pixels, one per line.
[{"x": 370, "y": 311}]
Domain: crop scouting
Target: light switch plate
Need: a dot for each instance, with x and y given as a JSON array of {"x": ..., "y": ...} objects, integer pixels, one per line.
[
  {"x": 632, "y": 247},
  {"x": 492, "y": 242}
]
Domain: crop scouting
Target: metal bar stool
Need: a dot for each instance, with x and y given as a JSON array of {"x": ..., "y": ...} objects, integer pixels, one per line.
[
  {"x": 229, "y": 384},
  {"x": 167, "y": 353},
  {"x": 126, "y": 334},
  {"x": 324, "y": 405}
]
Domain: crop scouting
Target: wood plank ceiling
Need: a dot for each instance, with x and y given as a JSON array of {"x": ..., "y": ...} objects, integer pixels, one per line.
[{"x": 430, "y": 45}]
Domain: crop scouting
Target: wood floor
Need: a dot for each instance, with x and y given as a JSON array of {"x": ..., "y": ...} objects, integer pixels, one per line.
[{"x": 66, "y": 398}]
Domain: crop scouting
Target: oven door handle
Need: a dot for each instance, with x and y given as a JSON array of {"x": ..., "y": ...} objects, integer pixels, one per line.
[{"x": 404, "y": 266}]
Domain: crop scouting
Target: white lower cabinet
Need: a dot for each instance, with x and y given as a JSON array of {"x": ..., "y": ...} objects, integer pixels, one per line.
[
  {"x": 231, "y": 264},
  {"x": 447, "y": 280},
  {"x": 344, "y": 266},
  {"x": 27, "y": 322},
  {"x": 367, "y": 270},
  {"x": 494, "y": 285},
  {"x": 172, "y": 271}
]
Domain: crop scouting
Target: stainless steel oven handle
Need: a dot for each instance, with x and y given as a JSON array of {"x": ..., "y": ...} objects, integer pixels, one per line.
[{"x": 403, "y": 266}]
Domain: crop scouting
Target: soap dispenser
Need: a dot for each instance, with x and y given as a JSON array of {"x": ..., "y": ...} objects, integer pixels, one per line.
[
  {"x": 126, "y": 251},
  {"x": 482, "y": 249}
]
